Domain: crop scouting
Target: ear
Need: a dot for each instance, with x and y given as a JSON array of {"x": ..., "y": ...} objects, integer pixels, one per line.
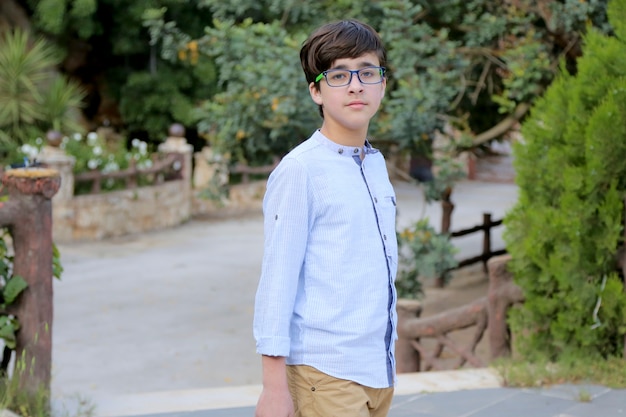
[
  {"x": 384, "y": 87},
  {"x": 316, "y": 94}
]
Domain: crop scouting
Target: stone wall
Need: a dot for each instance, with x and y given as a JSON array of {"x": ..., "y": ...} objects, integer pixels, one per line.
[
  {"x": 119, "y": 213},
  {"x": 148, "y": 208}
]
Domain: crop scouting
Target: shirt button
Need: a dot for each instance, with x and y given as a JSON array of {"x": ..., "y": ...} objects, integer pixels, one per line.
[
  {"x": 340, "y": 151},
  {"x": 375, "y": 200},
  {"x": 356, "y": 150},
  {"x": 385, "y": 237}
]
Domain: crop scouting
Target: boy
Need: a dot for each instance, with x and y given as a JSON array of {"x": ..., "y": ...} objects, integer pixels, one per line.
[{"x": 325, "y": 320}]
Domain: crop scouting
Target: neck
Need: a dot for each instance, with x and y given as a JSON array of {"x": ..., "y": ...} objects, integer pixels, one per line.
[{"x": 345, "y": 137}]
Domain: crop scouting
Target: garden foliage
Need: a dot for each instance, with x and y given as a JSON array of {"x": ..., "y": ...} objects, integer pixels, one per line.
[
  {"x": 424, "y": 254},
  {"x": 33, "y": 97},
  {"x": 567, "y": 226},
  {"x": 463, "y": 63}
]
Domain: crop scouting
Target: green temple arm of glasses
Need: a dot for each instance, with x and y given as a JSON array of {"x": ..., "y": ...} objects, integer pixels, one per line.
[{"x": 319, "y": 77}]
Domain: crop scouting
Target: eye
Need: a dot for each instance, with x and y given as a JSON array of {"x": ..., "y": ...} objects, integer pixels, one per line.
[
  {"x": 367, "y": 73},
  {"x": 337, "y": 75}
]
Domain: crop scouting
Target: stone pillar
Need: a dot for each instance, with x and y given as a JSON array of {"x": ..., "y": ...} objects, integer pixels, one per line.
[
  {"x": 55, "y": 158},
  {"x": 177, "y": 143},
  {"x": 28, "y": 214},
  {"x": 210, "y": 170}
]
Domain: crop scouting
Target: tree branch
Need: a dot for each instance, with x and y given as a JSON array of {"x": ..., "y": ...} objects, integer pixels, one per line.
[{"x": 498, "y": 130}]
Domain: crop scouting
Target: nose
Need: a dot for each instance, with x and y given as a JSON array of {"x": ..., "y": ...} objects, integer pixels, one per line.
[{"x": 355, "y": 83}]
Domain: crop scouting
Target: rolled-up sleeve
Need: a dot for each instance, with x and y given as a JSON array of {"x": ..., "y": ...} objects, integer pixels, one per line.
[{"x": 286, "y": 224}]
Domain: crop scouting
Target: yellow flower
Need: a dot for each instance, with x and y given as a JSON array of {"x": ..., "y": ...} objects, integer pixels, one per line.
[
  {"x": 240, "y": 134},
  {"x": 275, "y": 103}
]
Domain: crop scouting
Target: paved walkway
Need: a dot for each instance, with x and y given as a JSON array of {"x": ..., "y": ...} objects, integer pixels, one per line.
[{"x": 160, "y": 325}]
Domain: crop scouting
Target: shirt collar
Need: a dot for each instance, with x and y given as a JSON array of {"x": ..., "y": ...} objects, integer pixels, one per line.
[{"x": 342, "y": 150}]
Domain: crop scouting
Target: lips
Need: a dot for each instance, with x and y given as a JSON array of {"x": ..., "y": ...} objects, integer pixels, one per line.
[{"x": 356, "y": 104}]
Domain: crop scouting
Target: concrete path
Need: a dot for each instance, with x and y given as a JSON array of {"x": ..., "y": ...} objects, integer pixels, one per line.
[{"x": 160, "y": 324}]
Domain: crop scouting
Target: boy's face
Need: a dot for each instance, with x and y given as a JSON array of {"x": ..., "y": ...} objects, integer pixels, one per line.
[{"x": 349, "y": 107}]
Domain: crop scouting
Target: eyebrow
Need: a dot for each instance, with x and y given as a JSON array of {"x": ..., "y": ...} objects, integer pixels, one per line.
[{"x": 364, "y": 64}]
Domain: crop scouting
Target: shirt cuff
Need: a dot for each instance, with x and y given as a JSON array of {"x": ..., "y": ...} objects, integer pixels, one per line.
[{"x": 273, "y": 346}]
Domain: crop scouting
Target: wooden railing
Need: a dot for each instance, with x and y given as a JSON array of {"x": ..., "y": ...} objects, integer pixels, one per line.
[
  {"x": 485, "y": 313},
  {"x": 166, "y": 168},
  {"x": 245, "y": 170},
  {"x": 486, "y": 253}
]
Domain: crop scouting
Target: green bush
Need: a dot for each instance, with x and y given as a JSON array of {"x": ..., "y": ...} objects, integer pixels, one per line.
[
  {"x": 565, "y": 230},
  {"x": 423, "y": 253}
]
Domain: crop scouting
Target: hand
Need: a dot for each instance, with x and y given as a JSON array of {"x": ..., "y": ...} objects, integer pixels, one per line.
[{"x": 274, "y": 403}]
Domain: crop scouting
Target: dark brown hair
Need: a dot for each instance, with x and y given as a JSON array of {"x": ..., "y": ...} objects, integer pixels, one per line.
[{"x": 337, "y": 40}]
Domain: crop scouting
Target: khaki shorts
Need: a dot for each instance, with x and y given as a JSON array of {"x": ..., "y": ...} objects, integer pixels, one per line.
[{"x": 316, "y": 394}]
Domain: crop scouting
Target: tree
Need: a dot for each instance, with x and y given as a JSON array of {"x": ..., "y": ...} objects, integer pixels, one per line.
[
  {"x": 109, "y": 51},
  {"x": 565, "y": 230},
  {"x": 474, "y": 65}
]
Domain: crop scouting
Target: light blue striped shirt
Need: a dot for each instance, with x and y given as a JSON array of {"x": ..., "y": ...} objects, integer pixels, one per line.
[{"x": 326, "y": 296}]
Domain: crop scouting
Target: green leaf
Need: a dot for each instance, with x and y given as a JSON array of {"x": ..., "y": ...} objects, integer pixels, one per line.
[
  {"x": 8, "y": 327},
  {"x": 13, "y": 288}
]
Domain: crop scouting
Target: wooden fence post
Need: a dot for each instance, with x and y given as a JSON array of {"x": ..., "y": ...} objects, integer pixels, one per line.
[
  {"x": 502, "y": 294},
  {"x": 407, "y": 358},
  {"x": 28, "y": 216},
  {"x": 486, "y": 239}
]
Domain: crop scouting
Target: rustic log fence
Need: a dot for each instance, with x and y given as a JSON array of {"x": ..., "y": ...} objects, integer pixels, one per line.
[
  {"x": 28, "y": 217},
  {"x": 485, "y": 313},
  {"x": 245, "y": 170},
  {"x": 486, "y": 253},
  {"x": 164, "y": 168}
]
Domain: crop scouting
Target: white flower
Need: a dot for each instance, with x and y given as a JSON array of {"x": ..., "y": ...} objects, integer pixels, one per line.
[
  {"x": 77, "y": 137},
  {"x": 92, "y": 164},
  {"x": 111, "y": 166},
  {"x": 135, "y": 142},
  {"x": 92, "y": 138},
  {"x": 97, "y": 150},
  {"x": 144, "y": 164},
  {"x": 143, "y": 148},
  {"x": 39, "y": 141},
  {"x": 29, "y": 150}
]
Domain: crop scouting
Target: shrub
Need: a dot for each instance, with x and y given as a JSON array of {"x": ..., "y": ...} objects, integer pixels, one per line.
[
  {"x": 565, "y": 230},
  {"x": 423, "y": 253}
]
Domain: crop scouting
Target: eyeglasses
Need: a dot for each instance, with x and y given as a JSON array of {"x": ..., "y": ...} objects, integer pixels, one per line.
[{"x": 343, "y": 77}]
